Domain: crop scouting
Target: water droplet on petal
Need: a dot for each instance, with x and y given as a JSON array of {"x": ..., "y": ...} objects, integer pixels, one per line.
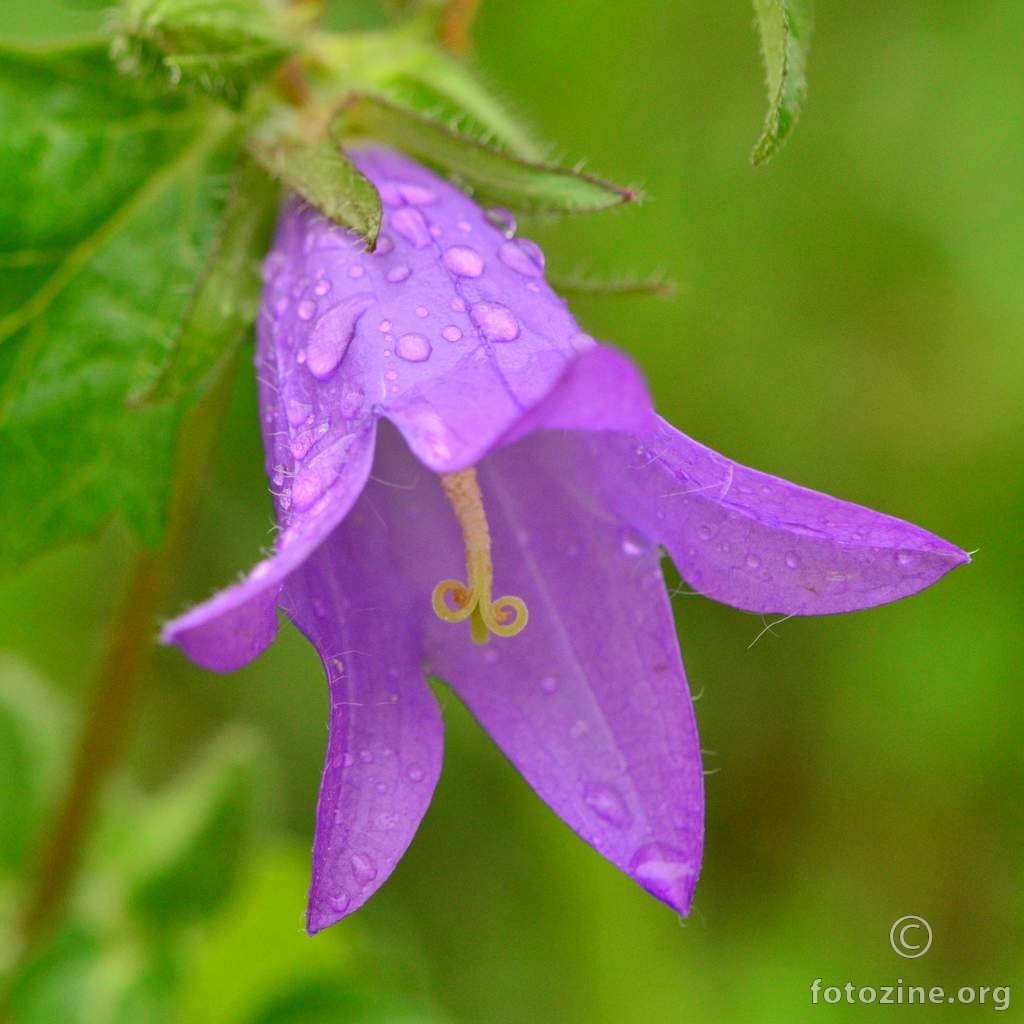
[
  {"x": 415, "y": 773},
  {"x": 523, "y": 256},
  {"x": 664, "y": 872},
  {"x": 607, "y": 803},
  {"x": 705, "y": 532},
  {"x": 904, "y": 558},
  {"x": 354, "y": 272},
  {"x": 422, "y": 312},
  {"x": 348, "y": 760},
  {"x": 582, "y": 341},
  {"x": 339, "y": 901},
  {"x": 458, "y": 305},
  {"x": 502, "y": 219},
  {"x": 366, "y": 756},
  {"x": 332, "y": 334},
  {"x": 413, "y": 347},
  {"x": 351, "y": 402},
  {"x": 792, "y": 560},
  {"x": 408, "y": 222},
  {"x": 463, "y": 261},
  {"x": 364, "y": 868},
  {"x": 300, "y": 444},
  {"x": 633, "y": 542},
  {"x": 753, "y": 561},
  {"x": 548, "y": 685},
  {"x": 451, "y": 333},
  {"x": 417, "y": 195},
  {"x": 396, "y": 275},
  {"x": 319, "y": 473},
  {"x": 306, "y": 309},
  {"x": 496, "y": 322},
  {"x": 297, "y": 411},
  {"x": 384, "y": 246},
  {"x": 323, "y": 286}
]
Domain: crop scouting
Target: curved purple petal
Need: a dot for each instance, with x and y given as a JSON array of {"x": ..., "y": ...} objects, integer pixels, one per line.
[
  {"x": 590, "y": 702},
  {"x": 448, "y": 330},
  {"x": 758, "y": 542},
  {"x": 237, "y": 624},
  {"x": 385, "y": 734}
]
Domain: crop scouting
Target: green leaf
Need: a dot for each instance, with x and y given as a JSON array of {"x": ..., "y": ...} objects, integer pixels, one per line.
[
  {"x": 225, "y": 302},
  {"x": 192, "y": 845},
  {"x": 494, "y": 175},
  {"x": 785, "y": 27},
  {"x": 110, "y": 199},
  {"x": 324, "y": 177},
  {"x": 220, "y": 47},
  {"x": 32, "y": 727},
  {"x": 56, "y": 984}
]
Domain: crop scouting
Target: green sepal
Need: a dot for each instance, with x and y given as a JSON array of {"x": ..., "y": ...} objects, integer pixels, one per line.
[
  {"x": 322, "y": 174},
  {"x": 226, "y": 299},
  {"x": 493, "y": 175},
  {"x": 785, "y": 27}
]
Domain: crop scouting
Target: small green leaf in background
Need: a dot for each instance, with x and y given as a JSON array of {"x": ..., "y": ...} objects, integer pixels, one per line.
[
  {"x": 217, "y": 46},
  {"x": 785, "y": 27},
  {"x": 110, "y": 200},
  {"x": 191, "y": 845},
  {"x": 495, "y": 176},
  {"x": 324, "y": 177},
  {"x": 225, "y": 302}
]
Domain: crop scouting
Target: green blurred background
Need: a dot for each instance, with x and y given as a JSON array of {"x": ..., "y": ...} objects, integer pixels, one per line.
[{"x": 851, "y": 317}]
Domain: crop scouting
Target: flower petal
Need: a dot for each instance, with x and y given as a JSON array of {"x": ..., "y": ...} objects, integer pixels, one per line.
[
  {"x": 590, "y": 702},
  {"x": 385, "y": 735},
  {"x": 449, "y": 329},
  {"x": 233, "y": 627},
  {"x": 755, "y": 541}
]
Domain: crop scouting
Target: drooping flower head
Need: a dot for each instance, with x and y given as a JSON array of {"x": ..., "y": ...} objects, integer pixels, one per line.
[{"x": 469, "y": 486}]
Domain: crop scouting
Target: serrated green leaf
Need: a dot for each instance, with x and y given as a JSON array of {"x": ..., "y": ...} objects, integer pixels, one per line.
[
  {"x": 494, "y": 175},
  {"x": 192, "y": 845},
  {"x": 785, "y": 27},
  {"x": 226, "y": 299},
  {"x": 326, "y": 178},
  {"x": 110, "y": 199},
  {"x": 220, "y": 47}
]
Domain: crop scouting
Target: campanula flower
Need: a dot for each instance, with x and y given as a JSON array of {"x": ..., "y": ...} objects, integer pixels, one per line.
[{"x": 468, "y": 486}]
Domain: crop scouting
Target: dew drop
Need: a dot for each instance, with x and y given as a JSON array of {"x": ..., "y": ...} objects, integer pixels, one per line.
[
  {"x": 384, "y": 326},
  {"x": 408, "y": 222},
  {"x": 458, "y": 306},
  {"x": 753, "y": 561},
  {"x": 417, "y": 195},
  {"x": 366, "y": 756},
  {"x": 415, "y": 773},
  {"x": 391, "y": 375},
  {"x": 502, "y": 219},
  {"x": 451, "y": 333},
  {"x": 582, "y": 341},
  {"x": 297, "y": 411},
  {"x": 355, "y": 272},
  {"x": 348, "y": 760},
  {"x": 633, "y": 543},
  {"x": 319, "y": 473},
  {"x": 332, "y": 334},
  {"x": 413, "y": 347},
  {"x": 607, "y": 803},
  {"x": 339, "y": 901},
  {"x": 323, "y": 286},
  {"x": 463, "y": 261},
  {"x": 464, "y": 226},
  {"x": 548, "y": 685},
  {"x": 306, "y": 309},
  {"x": 523, "y": 256},
  {"x": 422, "y": 312},
  {"x": 705, "y": 532},
  {"x": 664, "y": 872},
  {"x": 496, "y": 322},
  {"x": 396, "y": 275},
  {"x": 301, "y": 443},
  {"x": 351, "y": 402},
  {"x": 384, "y": 246},
  {"x": 904, "y": 558},
  {"x": 792, "y": 560},
  {"x": 364, "y": 868}
]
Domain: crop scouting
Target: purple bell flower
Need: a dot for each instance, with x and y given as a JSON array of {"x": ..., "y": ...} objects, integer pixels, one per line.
[{"x": 438, "y": 431}]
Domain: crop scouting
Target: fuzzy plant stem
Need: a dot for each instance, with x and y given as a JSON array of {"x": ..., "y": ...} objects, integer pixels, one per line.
[{"x": 123, "y": 671}]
